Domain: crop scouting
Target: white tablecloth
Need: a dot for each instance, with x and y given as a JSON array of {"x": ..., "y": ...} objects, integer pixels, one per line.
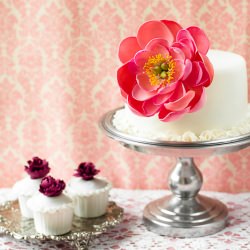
[{"x": 131, "y": 233}]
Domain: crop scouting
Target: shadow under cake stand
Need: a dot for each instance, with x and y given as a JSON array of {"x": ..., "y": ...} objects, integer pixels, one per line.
[{"x": 185, "y": 213}]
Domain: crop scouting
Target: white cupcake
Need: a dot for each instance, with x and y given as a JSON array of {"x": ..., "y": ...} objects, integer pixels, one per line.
[
  {"x": 27, "y": 187},
  {"x": 53, "y": 210},
  {"x": 90, "y": 195}
]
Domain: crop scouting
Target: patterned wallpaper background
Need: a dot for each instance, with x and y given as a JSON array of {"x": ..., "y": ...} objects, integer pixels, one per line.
[{"x": 58, "y": 62}]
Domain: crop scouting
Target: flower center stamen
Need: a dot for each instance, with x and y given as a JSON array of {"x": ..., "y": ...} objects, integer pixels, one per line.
[{"x": 160, "y": 69}]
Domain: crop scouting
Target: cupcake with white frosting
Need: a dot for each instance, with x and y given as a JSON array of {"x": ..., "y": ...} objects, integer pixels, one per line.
[
  {"x": 52, "y": 209},
  {"x": 89, "y": 193},
  {"x": 27, "y": 187}
]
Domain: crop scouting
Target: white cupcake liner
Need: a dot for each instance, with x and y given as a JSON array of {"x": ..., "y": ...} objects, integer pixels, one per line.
[
  {"x": 90, "y": 204},
  {"x": 25, "y": 211},
  {"x": 25, "y": 189},
  {"x": 54, "y": 223},
  {"x": 52, "y": 215}
]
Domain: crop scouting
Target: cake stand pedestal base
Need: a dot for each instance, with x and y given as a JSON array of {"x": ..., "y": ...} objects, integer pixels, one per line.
[
  {"x": 199, "y": 217},
  {"x": 185, "y": 213}
]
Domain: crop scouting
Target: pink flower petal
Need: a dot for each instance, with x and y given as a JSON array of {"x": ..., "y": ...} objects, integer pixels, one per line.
[
  {"x": 203, "y": 77},
  {"x": 124, "y": 94},
  {"x": 186, "y": 46},
  {"x": 178, "y": 71},
  {"x": 199, "y": 100},
  {"x": 150, "y": 108},
  {"x": 126, "y": 76},
  {"x": 195, "y": 76},
  {"x": 158, "y": 45},
  {"x": 160, "y": 99},
  {"x": 208, "y": 66},
  {"x": 143, "y": 82},
  {"x": 172, "y": 26},
  {"x": 183, "y": 35},
  {"x": 169, "y": 116},
  {"x": 205, "y": 80},
  {"x": 188, "y": 69},
  {"x": 200, "y": 39},
  {"x": 182, "y": 103},
  {"x": 178, "y": 92},
  {"x": 142, "y": 57},
  {"x": 177, "y": 53},
  {"x": 127, "y": 49},
  {"x": 153, "y": 29},
  {"x": 140, "y": 94},
  {"x": 169, "y": 88},
  {"x": 135, "y": 106}
]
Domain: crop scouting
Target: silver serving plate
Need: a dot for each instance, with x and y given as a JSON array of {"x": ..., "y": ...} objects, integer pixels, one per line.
[
  {"x": 185, "y": 213},
  {"x": 83, "y": 230}
]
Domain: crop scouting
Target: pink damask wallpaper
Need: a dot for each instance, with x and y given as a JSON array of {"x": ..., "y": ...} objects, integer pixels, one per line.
[{"x": 58, "y": 62}]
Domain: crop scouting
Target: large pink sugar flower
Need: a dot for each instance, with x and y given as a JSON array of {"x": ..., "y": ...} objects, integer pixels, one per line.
[{"x": 165, "y": 70}]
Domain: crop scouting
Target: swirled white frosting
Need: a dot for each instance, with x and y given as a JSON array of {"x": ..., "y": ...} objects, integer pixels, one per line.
[{"x": 125, "y": 124}]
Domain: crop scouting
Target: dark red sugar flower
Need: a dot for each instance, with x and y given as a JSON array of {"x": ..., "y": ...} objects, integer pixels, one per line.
[
  {"x": 86, "y": 170},
  {"x": 51, "y": 187},
  {"x": 37, "y": 168}
]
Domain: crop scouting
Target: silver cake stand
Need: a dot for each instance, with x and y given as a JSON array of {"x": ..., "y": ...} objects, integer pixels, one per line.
[{"x": 185, "y": 213}]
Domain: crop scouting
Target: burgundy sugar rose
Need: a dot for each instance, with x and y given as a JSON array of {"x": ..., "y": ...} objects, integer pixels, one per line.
[
  {"x": 86, "y": 170},
  {"x": 37, "y": 168},
  {"x": 51, "y": 187}
]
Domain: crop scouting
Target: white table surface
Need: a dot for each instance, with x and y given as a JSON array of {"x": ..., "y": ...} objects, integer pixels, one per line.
[{"x": 132, "y": 234}]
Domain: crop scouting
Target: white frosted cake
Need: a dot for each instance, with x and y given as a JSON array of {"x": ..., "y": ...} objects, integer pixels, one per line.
[
  {"x": 226, "y": 112},
  {"x": 176, "y": 89}
]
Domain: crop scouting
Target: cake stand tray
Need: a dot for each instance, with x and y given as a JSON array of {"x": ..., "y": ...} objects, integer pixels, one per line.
[
  {"x": 83, "y": 230},
  {"x": 185, "y": 213}
]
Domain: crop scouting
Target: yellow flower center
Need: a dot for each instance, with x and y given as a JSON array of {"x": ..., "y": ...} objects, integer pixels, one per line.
[{"x": 160, "y": 69}]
